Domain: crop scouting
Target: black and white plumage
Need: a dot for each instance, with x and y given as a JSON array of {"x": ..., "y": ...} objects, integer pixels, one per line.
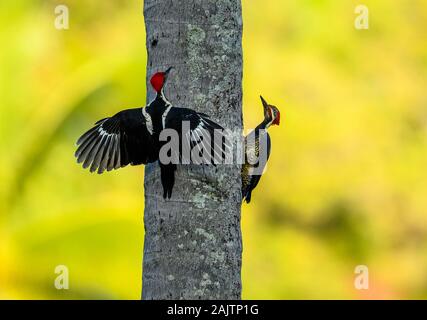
[
  {"x": 258, "y": 143},
  {"x": 132, "y": 137},
  {"x": 116, "y": 142},
  {"x": 200, "y": 135}
]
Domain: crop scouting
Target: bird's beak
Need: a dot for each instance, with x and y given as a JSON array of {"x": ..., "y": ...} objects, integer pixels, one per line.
[
  {"x": 166, "y": 73},
  {"x": 168, "y": 70},
  {"x": 265, "y": 105}
]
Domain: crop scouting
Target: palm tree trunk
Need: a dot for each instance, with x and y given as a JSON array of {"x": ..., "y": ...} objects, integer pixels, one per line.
[{"x": 193, "y": 247}]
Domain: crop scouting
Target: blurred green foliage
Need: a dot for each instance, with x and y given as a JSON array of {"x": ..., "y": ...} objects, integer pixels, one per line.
[{"x": 346, "y": 184}]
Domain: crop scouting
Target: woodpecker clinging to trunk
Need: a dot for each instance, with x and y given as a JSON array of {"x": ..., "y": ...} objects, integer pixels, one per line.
[
  {"x": 257, "y": 150},
  {"x": 132, "y": 136}
]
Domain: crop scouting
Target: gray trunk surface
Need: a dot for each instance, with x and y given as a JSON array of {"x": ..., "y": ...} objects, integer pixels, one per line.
[{"x": 193, "y": 247}]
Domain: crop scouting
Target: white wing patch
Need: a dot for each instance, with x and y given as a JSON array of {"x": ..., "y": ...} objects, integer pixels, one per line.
[
  {"x": 103, "y": 132},
  {"x": 201, "y": 139}
]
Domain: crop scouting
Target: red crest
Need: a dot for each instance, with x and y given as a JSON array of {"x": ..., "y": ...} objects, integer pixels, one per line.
[{"x": 157, "y": 81}]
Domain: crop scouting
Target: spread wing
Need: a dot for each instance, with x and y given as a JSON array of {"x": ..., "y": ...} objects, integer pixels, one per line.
[
  {"x": 204, "y": 136},
  {"x": 116, "y": 142}
]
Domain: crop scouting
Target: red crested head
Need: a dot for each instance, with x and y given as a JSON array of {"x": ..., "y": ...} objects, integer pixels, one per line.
[
  {"x": 271, "y": 113},
  {"x": 158, "y": 79}
]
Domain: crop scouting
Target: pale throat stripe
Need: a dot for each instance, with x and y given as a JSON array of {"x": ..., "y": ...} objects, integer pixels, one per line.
[
  {"x": 164, "y": 115},
  {"x": 162, "y": 94},
  {"x": 148, "y": 121}
]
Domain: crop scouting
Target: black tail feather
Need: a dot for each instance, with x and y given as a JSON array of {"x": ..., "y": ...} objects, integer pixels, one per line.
[
  {"x": 247, "y": 197},
  {"x": 167, "y": 173}
]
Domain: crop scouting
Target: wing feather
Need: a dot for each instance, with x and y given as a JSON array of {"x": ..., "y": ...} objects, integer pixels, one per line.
[
  {"x": 98, "y": 156},
  {"x": 116, "y": 142},
  {"x": 103, "y": 164},
  {"x": 85, "y": 148},
  {"x": 112, "y": 155},
  {"x": 202, "y": 133}
]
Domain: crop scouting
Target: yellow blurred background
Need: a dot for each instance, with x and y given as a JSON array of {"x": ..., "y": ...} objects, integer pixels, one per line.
[{"x": 346, "y": 184}]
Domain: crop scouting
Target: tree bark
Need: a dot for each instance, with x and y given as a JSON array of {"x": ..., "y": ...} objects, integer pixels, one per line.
[{"x": 193, "y": 247}]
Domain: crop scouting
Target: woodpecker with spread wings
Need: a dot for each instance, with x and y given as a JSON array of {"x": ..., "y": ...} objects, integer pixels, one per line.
[
  {"x": 257, "y": 150},
  {"x": 132, "y": 136}
]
